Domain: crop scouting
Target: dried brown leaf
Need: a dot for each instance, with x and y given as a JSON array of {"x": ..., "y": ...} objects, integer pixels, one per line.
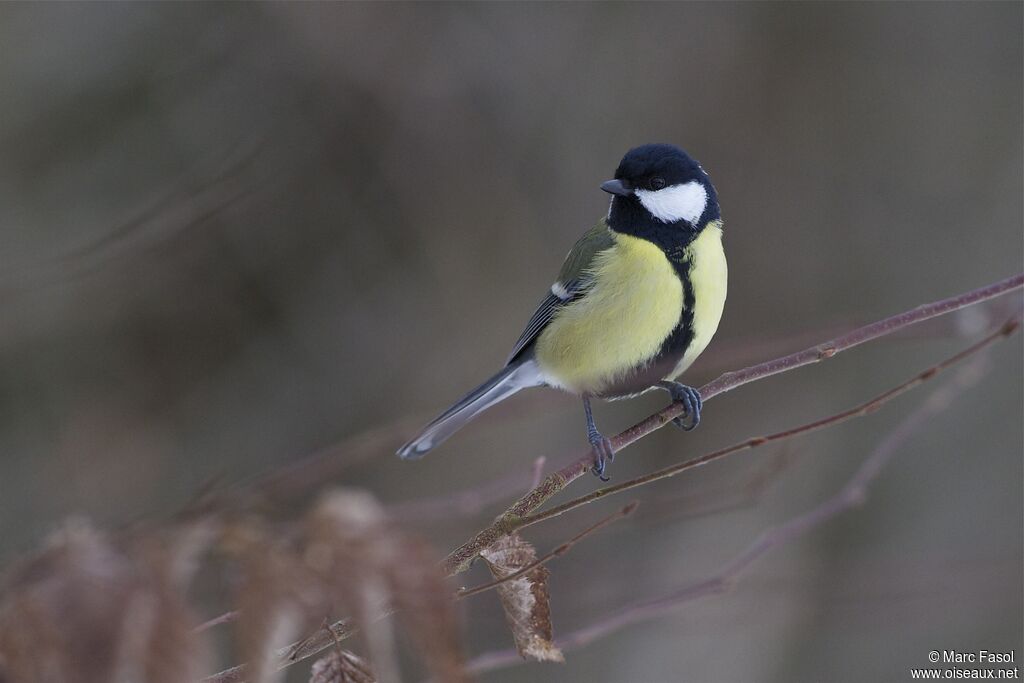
[
  {"x": 86, "y": 610},
  {"x": 427, "y": 611},
  {"x": 350, "y": 547},
  {"x": 371, "y": 565},
  {"x": 274, "y": 597},
  {"x": 341, "y": 666},
  {"x": 525, "y": 599}
]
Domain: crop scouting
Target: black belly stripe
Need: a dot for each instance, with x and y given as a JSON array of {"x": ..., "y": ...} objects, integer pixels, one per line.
[
  {"x": 679, "y": 340},
  {"x": 649, "y": 373}
]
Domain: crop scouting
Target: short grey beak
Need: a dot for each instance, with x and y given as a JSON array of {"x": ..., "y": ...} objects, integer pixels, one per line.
[{"x": 619, "y": 187}]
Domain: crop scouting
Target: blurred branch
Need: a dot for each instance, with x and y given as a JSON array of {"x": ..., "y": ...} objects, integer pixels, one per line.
[
  {"x": 468, "y": 502},
  {"x": 226, "y": 618},
  {"x": 737, "y": 494},
  {"x": 178, "y": 211},
  {"x": 513, "y": 517},
  {"x": 852, "y": 494},
  {"x": 295, "y": 479}
]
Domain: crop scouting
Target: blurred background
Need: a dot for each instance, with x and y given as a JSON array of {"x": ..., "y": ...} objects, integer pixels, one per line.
[{"x": 233, "y": 236}]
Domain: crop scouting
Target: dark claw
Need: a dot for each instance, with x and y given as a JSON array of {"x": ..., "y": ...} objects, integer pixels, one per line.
[
  {"x": 692, "y": 403},
  {"x": 603, "y": 454}
]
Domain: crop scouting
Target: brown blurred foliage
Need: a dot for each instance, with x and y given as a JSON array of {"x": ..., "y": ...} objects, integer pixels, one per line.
[
  {"x": 232, "y": 235},
  {"x": 90, "y": 607},
  {"x": 88, "y": 611}
]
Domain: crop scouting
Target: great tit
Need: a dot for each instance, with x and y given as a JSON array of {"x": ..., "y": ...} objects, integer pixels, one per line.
[{"x": 638, "y": 298}]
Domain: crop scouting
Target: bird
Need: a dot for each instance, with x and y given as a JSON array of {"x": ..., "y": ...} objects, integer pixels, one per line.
[{"x": 637, "y": 299}]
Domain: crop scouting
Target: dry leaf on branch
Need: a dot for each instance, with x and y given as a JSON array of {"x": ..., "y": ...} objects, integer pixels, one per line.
[
  {"x": 525, "y": 599},
  {"x": 341, "y": 666}
]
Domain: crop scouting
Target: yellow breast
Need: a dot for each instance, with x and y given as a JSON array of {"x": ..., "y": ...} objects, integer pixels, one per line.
[
  {"x": 633, "y": 306},
  {"x": 709, "y": 275}
]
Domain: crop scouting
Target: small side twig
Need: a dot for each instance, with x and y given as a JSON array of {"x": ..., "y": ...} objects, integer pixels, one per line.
[
  {"x": 713, "y": 500},
  {"x": 557, "y": 552},
  {"x": 225, "y": 618},
  {"x": 465, "y": 503}
]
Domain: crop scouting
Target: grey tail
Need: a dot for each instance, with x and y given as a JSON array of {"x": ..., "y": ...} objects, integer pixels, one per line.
[{"x": 512, "y": 378}]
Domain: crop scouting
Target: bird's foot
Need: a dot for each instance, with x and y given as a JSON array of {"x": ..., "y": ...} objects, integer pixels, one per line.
[
  {"x": 604, "y": 453},
  {"x": 691, "y": 402}
]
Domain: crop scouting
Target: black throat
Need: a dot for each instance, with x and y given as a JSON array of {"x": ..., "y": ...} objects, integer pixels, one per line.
[{"x": 629, "y": 217}]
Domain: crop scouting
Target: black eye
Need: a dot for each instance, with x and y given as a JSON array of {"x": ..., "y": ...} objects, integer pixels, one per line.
[{"x": 657, "y": 183}]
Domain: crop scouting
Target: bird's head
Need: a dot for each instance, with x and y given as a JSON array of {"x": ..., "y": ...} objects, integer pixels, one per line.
[{"x": 659, "y": 186}]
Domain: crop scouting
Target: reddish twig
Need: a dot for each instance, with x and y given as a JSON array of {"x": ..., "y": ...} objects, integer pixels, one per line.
[
  {"x": 459, "y": 559},
  {"x": 225, "y": 618},
  {"x": 851, "y": 495},
  {"x": 861, "y": 410},
  {"x": 713, "y": 500},
  {"x": 466, "y": 503},
  {"x": 514, "y": 517}
]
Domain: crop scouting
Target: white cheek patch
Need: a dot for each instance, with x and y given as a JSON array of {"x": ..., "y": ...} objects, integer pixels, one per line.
[{"x": 678, "y": 202}]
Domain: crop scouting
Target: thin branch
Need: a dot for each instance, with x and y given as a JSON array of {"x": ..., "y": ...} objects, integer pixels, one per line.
[
  {"x": 861, "y": 410},
  {"x": 852, "y": 494},
  {"x": 513, "y": 517},
  {"x": 459, "y": 559},
  {"x": 716, "y": 499},
  {"x": 557, "y": 552},
  {"x": 179, "y": 210},
  {"x": 305, "y": 473},
  {"x": 294, "y": 480},
  {"x": 225, "y": 618},
  {"x": 466, "y": 503},
  {"x": 475, "y": 499}
]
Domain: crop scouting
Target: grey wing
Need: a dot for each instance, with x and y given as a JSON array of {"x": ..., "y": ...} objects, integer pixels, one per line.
[{"x": 569, "y": 292}]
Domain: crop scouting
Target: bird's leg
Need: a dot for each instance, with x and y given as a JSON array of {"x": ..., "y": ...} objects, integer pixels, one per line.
[
  {"x": 691, "y": 400},
  {"x": 602, "y": 445}
]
